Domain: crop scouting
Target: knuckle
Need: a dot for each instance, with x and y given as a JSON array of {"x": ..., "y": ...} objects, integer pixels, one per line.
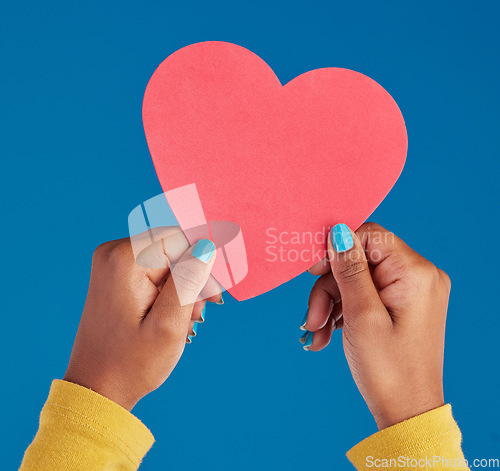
[
  {"x": 353, "y": 270},
  {"x": 102, "y": 249},
  {"x": 399, "y": 265},
  {"x": 369, "y": 229},
  {"x": 445, "y": 279},
  {"x": 430, "y": 271},
  {"x": 188, "y": 277},
  {"x": 425, "y": 273},
  {"x": 374, "y": 235},
  {"x": 370, "y": 226},
  {"x": 113, "y": 253}
]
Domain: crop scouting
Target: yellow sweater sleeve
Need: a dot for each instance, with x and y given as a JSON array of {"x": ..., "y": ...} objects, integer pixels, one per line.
[
  {"x": 82, "y": 430},
  {"x": 428, "y": 441}
]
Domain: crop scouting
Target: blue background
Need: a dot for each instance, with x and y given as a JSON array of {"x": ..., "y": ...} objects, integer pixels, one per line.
[{"x": 75, "y": 163}]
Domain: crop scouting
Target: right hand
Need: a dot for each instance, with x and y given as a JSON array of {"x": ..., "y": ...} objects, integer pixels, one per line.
[{"x": 392, "y": 305}]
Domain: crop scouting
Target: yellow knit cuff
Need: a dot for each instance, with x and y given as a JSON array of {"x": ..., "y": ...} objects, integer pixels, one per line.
[
  {"x": 100, "y": 416},
  {"x": 424, "y": 433}
]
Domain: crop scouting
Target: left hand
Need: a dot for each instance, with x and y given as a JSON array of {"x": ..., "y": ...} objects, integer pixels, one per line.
[{"x": 136, "y": 320}]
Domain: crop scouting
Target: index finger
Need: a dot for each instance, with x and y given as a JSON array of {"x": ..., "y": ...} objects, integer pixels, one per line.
[
  {"x": 386, "y": 253},
  {"x": 169, "y": 243}
]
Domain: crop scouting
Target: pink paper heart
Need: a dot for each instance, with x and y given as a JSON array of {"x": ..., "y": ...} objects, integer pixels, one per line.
[{"x": 285, "y": 163}]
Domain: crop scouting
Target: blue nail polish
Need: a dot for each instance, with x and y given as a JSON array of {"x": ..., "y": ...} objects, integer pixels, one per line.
[
  {"x": 303, "y": 338},
  {"x": 309, "y": 340},
  {"x": 341, "y": 238},
  {"x": 203, "y": 250},
  {"x": 304, "y": 320},
  {"x": 203, "y": 313}
]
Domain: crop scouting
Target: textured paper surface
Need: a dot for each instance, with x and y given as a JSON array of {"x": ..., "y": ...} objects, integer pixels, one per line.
[{"x": 277, "y": 160}]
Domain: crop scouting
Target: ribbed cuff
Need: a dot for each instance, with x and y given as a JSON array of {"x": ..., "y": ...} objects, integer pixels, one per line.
[
  {"x": 99, "y": 415},
  {"x": 413, "y": 437}
]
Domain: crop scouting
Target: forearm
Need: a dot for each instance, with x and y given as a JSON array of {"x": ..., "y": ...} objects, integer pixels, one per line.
[
  {"x": 80, "y": 429},
  {"x": 427, "y": 441}
]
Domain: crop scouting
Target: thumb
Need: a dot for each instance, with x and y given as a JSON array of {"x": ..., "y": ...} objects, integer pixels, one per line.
[
  {"x": 174, "y": 305},
  {"x": 190, "y": 274},
  {"x": 352, "y": 273}
]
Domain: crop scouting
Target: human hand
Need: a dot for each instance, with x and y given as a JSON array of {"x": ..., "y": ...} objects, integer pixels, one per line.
[
  {"x": 392, "y": 305},
  {"x": 136, "y": 320}
]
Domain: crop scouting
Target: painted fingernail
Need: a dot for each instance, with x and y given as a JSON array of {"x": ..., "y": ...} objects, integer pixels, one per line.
[
  {"x": 203, "y": 250},
  {"x": 308, "y": 341},
  {"x": 341, "y": 238},
  {"x": 220, "y": 302},
  {"x": 195, "y": 328},
  {"x": 303, "y": 338},
  {"x": 302, "y": 325},
  {"x": 202, "y": 315}
]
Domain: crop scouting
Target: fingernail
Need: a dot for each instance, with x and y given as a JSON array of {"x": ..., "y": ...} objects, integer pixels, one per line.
[
  {"x": 202, "y": 315},
  {"x": 220, "y": 302},
  {"x": 341, "y": 238},
  {"x": 302, "y": 325},
  {"x": 303, "y": 338},
  {"x": 308, "y": 341},
  {"x": 203, "y": 250},
  {"x": 195, "y": 328}
]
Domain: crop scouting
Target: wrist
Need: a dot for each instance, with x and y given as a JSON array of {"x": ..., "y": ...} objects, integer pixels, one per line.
[
  {"x": 109, "y": 388},
  {"x": 400, "y": 410}
]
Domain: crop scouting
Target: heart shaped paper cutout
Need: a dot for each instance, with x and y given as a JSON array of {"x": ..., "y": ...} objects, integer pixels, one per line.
[{"x": 285, "y": 163}]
